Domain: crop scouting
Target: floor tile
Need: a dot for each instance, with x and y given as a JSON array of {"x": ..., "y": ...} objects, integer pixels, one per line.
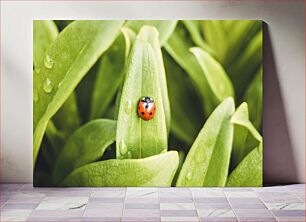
[
  {"x": 106, "y": 200},
  {"x": 218, "y": 219},
  {"x": 110, "y": 194},
  {"x": 19, "y": 206},
  {"x": 240, "y": 194},
  {"x": 141, "y": 206},
  {"x": 179, "y": 219},
  {"x": 62, "y": 203},
  {"x": 14, "y": 214},
  {"x": 142, "y": 200},
  {"x": 254, "y": 213},
  {"x": 101, "y": 219},
  {"x": 141, "y": 192},
  {"x": 134, "y": 219},
  {"x": 216, "y": 213},
  {"x": 10, "y": 186},
  {"x": 236, "y": 205},
  {"x": 142, "y": 213},
  {"x": 176, "y": 192},
  {"x": 176, "y": 199},
  {"x": 210, "y": 200},
  {"x": 224, "y": 205},
  {"x": 239, "y": 200},
  {"x": 56, "y": 213},
  {"x": 289, "y": 213},
  {"x": 103, "y": 212},
  {"x": 207, "y": 192},
  {"x": 91, "y": 205},
  {"x": 178, "y": 213},
  {"x": 285, "y": 206},
  {"x": 177, "y": 206}
]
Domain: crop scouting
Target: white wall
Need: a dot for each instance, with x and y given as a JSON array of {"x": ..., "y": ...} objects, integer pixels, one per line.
[{"x": 286, "y": 28}]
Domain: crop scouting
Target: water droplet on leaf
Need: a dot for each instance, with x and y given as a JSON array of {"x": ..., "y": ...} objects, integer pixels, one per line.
[
  {"x": 188, "y": 176},
  {"x": 128, "y": 107},
  {"x": 48, "y": 86},
  {"x": 122, "y": 148},
  {"x": 35, "y": 96},
  {"x": 48, "y": 62}
]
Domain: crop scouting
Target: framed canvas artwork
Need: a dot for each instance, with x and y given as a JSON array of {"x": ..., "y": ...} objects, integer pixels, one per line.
[{"x": 147, "y": 103}]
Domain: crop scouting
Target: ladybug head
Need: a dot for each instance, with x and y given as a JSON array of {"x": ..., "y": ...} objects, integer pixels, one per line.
[{"x": 147, "y": 99}]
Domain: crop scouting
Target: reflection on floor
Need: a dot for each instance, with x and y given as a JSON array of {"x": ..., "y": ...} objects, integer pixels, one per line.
[{"x": 22, "y": 202}]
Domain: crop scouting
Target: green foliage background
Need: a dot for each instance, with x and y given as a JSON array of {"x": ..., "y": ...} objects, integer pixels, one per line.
[{"x": 205, "y": 78}]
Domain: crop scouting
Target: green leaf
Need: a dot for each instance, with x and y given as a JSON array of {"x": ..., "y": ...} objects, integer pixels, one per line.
[
  {"x": 44, "y": 33},
  {"x": 220, "y": 86},
  {"x": 247, "y": 65},
  {"x": 207, "y": 161},
  {"x": 187, "y": 114},
  {"x": 249, "y": 171},
  {"x": 67, "y": 118},
  {"x": 240, "y": 118},
  {"x": 137, "y": 138},
  {"x": 253, "y": 97},
  {"x": 164, "y": 27},
  {"x": 86, "y": 145},
  {"x": 194, "y": 29},
  {"x": 65, "y": 63},
  {"x": 229, "y": 38},
  {"x": 109, "y": 78},
  {"x": 150, "y": 34},
  {"x": 157, "y": 170}
]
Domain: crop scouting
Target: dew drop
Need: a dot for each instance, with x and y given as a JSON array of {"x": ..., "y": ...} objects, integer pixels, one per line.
[
  {"x": 122, "y": 148},
  {"x": 129, "y": 155},
  {"x": 188, "y": 176},
  {"x": 35, "y": 96},
  {"x": 128, "y": 107},
  {"x": 60, "y": 83},
  {"x": 48, "y": 86},
  {"x": 48, "y": 62}
]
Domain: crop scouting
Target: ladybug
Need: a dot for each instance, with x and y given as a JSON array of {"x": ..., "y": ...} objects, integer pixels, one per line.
[{"x": 146, "y": 108}]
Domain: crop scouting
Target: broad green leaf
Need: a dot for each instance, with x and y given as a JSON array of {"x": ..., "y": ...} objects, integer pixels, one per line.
[
  {"x": 150, "y": 34},
  {"x": 253, "y": 97},
  {"x": 240, "y": 118},
  {"x": 164, "y": 27},
  {"x": 217, "y": 78},
  {"x": 86, "y": 145},
  {"x": 44, "y": 33},
  {"x": 135, "y": 137},
  {"x": 186, "y": 112},
  {"x": 130, "y": 37},
  {"x": 56, "y": 138},
  {"x": 208, "y": 159},
  {"x": 157, "y": 170},
  {"x": 67, "y": 118},
  {"x": 247, "y": 64},
  {"x": 178, "y": 47},
  {"x": 228, "y": 38},
  {"x": 194, "y": 29},
  {"x": 249, "y": 171},
  {"x": 218, "y": 82},
  {"x": 65, "y": 63},
  {"x": 109, "y": 78}
]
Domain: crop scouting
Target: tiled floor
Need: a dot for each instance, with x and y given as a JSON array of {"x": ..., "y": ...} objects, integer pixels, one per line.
[{"x": 22, "y": 202}]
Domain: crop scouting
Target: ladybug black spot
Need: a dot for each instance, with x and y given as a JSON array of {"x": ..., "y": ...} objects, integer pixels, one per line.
[
  {"x": 142, "y": 113},
  {"x": 150, "y": 113},
  {"x": 154, "y": 108},
  {"x": 147, "y": 106}
]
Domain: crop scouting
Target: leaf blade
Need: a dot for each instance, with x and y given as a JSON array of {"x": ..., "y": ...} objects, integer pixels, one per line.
[
  {"x": 68, "y": 66},
  {"x": 157, "y": 170},
  {"x": 86, "y": 145},
  {"x": 208, "y": 159}
]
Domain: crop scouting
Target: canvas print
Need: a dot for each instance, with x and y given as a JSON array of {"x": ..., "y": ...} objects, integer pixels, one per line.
[{"x": 147, "y": 103}]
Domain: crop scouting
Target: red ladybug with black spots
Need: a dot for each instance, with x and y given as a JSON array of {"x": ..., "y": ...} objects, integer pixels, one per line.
[{"x": 146, "y": 108}]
